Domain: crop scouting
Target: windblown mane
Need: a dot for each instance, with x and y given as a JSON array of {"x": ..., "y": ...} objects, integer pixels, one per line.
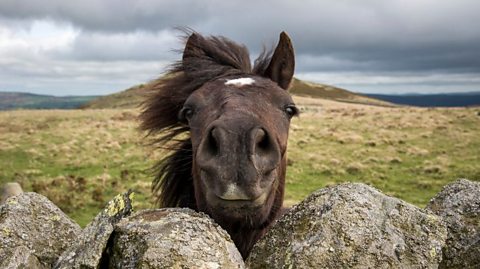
[{"x": 211, "y": 58}]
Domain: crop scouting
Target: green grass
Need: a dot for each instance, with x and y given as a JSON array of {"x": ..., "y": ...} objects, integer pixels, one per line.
[
  {"x": 81, "y": 158},
  {"x": 409, "y": 153},
  {"x": 78, "y": 159}
]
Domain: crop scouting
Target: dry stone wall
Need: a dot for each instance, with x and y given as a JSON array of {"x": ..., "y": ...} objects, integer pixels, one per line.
[{"x": 344, "y": 226}]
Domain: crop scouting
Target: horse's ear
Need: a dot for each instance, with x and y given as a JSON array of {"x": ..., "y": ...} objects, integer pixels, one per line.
[
  {"x": 210, "y": 57},
  {"x": 191, "y": 47},
  {"x": 282, "y": 64}
]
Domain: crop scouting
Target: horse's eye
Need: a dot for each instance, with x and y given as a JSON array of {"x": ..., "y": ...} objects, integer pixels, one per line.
[
  {"x": 185, "y": 114},
  {"x": 291, "y": 110}
]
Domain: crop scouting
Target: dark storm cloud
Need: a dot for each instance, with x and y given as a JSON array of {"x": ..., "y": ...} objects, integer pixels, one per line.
[
  {"x": 363, "y": 38},
  {"x": 107, "y": 15},
  {"x": 376, "y": 35}
]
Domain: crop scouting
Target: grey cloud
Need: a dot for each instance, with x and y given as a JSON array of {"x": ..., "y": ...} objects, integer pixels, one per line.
[
  {"x": 137, "y": 46},
  {"x": 107, "y": 15},
  {"x": 76, "y": 78},
  {"x": 331, "y": 22},
  {"x": 459, "y": 58},
  {"x": 329, "y": 36}
]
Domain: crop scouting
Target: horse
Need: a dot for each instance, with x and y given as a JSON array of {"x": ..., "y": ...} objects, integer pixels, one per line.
[{"x": 226, "y": 125}]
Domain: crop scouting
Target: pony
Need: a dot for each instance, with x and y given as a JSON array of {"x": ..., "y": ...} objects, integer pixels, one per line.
[{"x": 226, "y": 125}]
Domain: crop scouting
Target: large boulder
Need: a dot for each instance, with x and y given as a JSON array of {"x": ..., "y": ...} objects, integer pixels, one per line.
[
  {"x": 459, "y": 206},
  {"x": 87, "y": 251},
  {"x": 33, "y": 232},
  {"x": 352, "y": 226},
  {"x": 172, "y": 238}
]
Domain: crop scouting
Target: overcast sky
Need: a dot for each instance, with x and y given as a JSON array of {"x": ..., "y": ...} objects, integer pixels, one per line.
[{"x": 93, "y": 47}]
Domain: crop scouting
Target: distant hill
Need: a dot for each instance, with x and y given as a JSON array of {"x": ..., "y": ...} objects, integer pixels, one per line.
[
  {"x": 18, "y": 100},
  {"x": 129, "y": 98},
  {"x": 132, "y": 97},
  {"x": 433, "y": 100},
  {"x": 323, "y": 91}
]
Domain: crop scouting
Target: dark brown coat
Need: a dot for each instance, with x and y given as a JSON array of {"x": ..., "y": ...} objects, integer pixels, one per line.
[{"x": 226, "y": 125}]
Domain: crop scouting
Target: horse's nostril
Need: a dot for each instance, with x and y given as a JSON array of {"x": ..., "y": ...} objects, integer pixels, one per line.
[
  {"x": 212, "y": 141},
  {"x": 265, "y": 152},
  {"x": 262, "y": 141}
]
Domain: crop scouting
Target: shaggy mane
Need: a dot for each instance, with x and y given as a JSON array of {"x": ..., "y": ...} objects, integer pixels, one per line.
[{"x": 208, "y": 58}]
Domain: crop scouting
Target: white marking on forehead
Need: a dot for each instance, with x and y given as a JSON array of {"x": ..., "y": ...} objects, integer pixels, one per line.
[{"x": 240, "y": 81}]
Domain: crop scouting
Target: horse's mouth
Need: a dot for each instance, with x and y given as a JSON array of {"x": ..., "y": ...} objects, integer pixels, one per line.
[
  {"x": 237, "y": 207},
  {"x": 258, "y": 201},
  {"x": 253, "y": 208},
  {"x": 233, "y": 196}
]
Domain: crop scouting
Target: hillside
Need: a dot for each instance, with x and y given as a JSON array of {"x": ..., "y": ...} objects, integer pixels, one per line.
[
  {"x": 132, "y": 97},
  {"x": 18, "y": 100},
  {"x": 129, "y": 98},
  {"x": 323, "y": 91}
]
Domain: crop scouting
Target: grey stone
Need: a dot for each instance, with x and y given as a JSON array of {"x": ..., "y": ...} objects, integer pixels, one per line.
[
  {"x": 459, "y": 206},
  {"x": 172, "y": 238},
  {"x": 352, "y": 226},
  {"x": 31, "y": 226},
  {"x": 22, "y": 258},
  {"x": 8, "y": 190},
  {"x": 88, "y": 249}
]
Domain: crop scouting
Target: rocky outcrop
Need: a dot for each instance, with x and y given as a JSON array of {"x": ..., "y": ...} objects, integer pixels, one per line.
[
  {"x": 352, "y": 226},
  {"x": 8, "y": 190},
  {"x": 33, "y": 232},
  {"x": 345, "y": 226},
  {"x": 87, "y": 251},
  {"x": 458, "y": 204},
  {"x": 172, "y": 238}
]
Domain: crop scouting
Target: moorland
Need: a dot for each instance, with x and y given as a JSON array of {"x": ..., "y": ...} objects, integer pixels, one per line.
[{"x": 81, "y": 158}]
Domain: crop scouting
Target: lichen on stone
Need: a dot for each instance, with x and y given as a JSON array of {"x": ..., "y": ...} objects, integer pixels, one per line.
[
  {"x": 88, "y": 250},
  {"x": 351, "y": 226},
  {"x": 172, "y": 238},
  {"x": 117, "y": 204},
  {"x": 6, "y": 231},
  {"x": 33, "y": 232},
  {"x": 458, "y": 205}
]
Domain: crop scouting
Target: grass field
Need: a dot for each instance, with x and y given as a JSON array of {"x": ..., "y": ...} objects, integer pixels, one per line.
[{"x": 81, "y": 158}]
